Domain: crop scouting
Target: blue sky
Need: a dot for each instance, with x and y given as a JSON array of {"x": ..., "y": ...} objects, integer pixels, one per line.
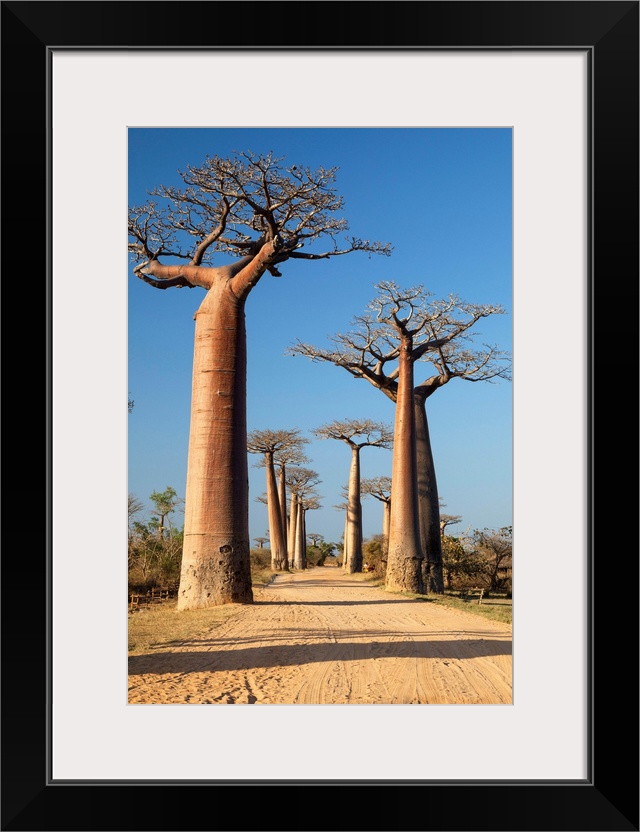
[{"x": 443, "y": 199}]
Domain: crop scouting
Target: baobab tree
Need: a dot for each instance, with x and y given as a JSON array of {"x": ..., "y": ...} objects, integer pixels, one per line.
[
  {"x": 357, "y": 434},
  {"x": 260, "y": 213},
  {"x": 261, "y": 541},
  {"x": 380, "y": 488},
  {"x": 267, "y": 443},
  {"x": 301, "y": 483},
  {"x": 306, "y": 501},
  {"x": 292, "y": 454},
  {"x": 447, "y": 520},
  {"x": 380, "y": 348}
]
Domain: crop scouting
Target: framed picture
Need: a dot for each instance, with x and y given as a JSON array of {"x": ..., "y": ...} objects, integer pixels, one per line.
[{"x": 76, "y": 756}]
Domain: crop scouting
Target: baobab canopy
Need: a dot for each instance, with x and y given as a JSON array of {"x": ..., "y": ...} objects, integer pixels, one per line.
[{"x": 235, "y": 206}]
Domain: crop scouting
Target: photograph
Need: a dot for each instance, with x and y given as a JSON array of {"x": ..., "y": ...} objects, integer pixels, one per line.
[
  {"x": 267, "y": 565},
  {"x": 326, "y": 224}
]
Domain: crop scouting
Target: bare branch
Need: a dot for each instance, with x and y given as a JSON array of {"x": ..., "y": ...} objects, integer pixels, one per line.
[
  {"x": 301, "y": 481},
  {"x": 249, "y": 205},
  {"x": 440, "y": 331},
  {"x": 378, "y": 487},
  {"x": 373, "y": 434}
]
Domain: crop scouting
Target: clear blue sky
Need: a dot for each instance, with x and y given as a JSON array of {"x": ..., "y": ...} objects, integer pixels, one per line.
[{"x": 443, "y": 199}]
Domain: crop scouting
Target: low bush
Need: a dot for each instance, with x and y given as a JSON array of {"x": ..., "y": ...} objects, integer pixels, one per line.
[{"x": 261, "y": 571}]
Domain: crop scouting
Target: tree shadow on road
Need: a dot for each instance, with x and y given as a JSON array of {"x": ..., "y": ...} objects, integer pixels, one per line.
[{"x": 284, "y": 655}]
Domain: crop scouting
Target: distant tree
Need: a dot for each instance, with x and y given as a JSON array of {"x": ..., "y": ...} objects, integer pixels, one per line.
[
  {"x": 268, "y": 443},
  {"x": 461, "y": 562},
  {"x": 261, "y": 213},
  {"x": 380, "y": 488},
  {"x": 314, "y": 542},
  {"x": 135, "y": 506},
  {"x": 307, "y": 501},
  {"x": 261, "y": 541},
  {"x": 495, "y": 549},
  {"x": 154, "y": 562},
  {"x": 324, "y": 551},
  {"x": 155, "y": 547},
  {"x": 165, "y": 503},
  {"x": 402, "y": 327},
  {"x": 357, "y": 434},
  {"x": 143, "y": 548},
  {"x": 292, "y": 454},
  {"x": 301, "y": 483},
  {"x": 447, "y": 520}
]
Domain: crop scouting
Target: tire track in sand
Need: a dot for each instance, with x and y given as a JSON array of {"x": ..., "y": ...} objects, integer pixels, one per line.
[{"x": 322, "y": 637}]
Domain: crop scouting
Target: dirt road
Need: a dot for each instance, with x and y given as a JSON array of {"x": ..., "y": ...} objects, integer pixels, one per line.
[{"x": 320, "y": 637}]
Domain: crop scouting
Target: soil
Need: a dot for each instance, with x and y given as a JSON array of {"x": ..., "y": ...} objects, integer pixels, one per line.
[{"x": 322, "y": 637}]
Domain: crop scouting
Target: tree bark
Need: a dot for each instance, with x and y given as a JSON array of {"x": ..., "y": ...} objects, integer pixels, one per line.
[
  {"x": 216, "y": 566},
  {"x": 303, "y": 535},
  {"x": 404, "y": 558},
  {"x": 428, "y": 501},
  {"x": 353, "y": 563},
  {"x": 299, "y": 554},
  {"x": 345, "y": 541},
  {"x": 283, "y": 511},
  {"x": 386, "y": 516},
  {"x": 293, "y": 518},
  {"x": 277, "y": 541}
]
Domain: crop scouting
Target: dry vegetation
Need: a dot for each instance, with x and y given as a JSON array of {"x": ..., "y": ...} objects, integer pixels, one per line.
[
  {"x": 163, "y": 626},
  {"x": 493, "y": 608}
]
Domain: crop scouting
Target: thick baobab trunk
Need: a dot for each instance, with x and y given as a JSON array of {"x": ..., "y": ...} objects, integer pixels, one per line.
[
  {"x": 353, "y": 539},
  {"x": 428, "y": 502},
  {"x": 404, "y": 558},
  {"x": 215, "y": 563},
  {"x": 279, "y": 561}
]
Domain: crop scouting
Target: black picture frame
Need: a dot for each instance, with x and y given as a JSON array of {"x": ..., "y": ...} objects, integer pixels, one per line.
[{"x": 608, "y": 799}]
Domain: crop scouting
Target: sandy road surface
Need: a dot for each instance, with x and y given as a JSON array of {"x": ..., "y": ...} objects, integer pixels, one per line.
[{"x": 320, "y": 637}]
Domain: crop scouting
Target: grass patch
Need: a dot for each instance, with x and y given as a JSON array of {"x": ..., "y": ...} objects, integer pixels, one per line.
[
  {"x": 496, "y": 609},
  {"x": 262, "y": 577},
  {"x": 162, "y": 627},
  {"x": 502, "y": 611}
]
